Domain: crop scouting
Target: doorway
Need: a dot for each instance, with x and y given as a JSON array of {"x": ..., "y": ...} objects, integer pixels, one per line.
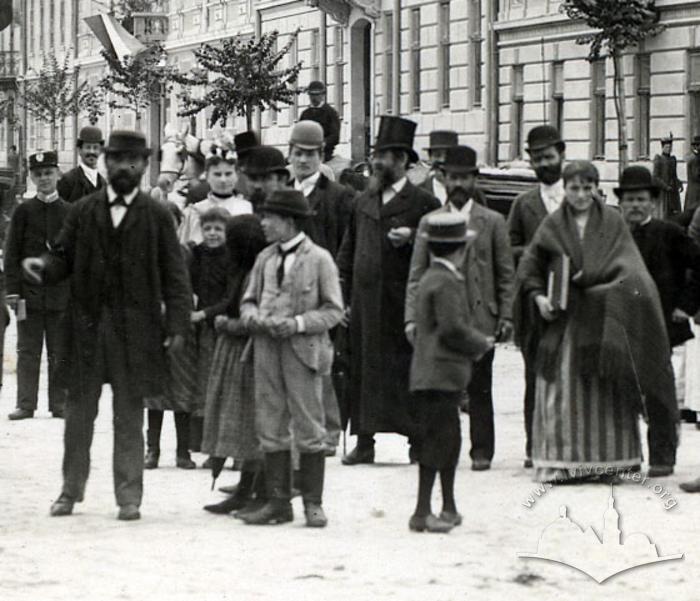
[{"x": 360, "y": 89}]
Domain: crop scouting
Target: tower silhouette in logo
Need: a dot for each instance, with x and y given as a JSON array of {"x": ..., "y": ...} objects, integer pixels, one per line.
[{"x": 565, "y": 542}]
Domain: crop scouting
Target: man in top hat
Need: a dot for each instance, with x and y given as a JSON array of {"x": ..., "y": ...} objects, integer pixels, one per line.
[
  {"x": 673, "y": 261},
  {"x": 243, "y": 144},
  {"x": 440, "y": 141},
  {"x": 488, "y": 277},
  {"x": 84, "y": 179},
  {"x": 374, "y": 260},
  {"x": 292, "y": 301},
  {"x": 666, "y": 173},
  {"x": 325, "y": 115},
  {"x": 547, "y": 151},
  {"x": 42, "y": 310},
  {"x": 266, "y": 171},
  {"x": 119, "y": 249},
  {"x": 692, "y": 193}
]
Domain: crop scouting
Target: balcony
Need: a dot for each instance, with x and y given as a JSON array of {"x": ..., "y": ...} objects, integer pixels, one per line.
[
  {"x": 9, "y": 65},
  {"x": 150, "y": 28}
]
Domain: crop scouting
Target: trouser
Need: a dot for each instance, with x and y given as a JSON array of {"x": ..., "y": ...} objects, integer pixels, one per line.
[
  {"x": 662, "y": 433},
  {"x": 441, "y": 433},
  {"x": 182, "y": 430},
  {"x": 287, "y": 393},
  {"x": 481, "y": 429},
  {"x": 331, "y": 411},
  {"x": 80, "y": 414},
  {"x": 4, "y": 320},
  {"x": 529, "y": 404},
  {"x": 31, "y": 332}
]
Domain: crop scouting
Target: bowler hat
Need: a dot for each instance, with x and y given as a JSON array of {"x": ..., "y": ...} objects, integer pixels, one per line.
[
  {"x": 91, "y": 135},
  {"x": 460, "y": 160},
  {"x": 636, "y": 177},
  {"x": 48, "y": 158},
  {"x": 543, "y": 136},
  {"x": 442, "y": 138},
  {"x": 396, "y": 133},
  {"x": 124, "y": 140},
  {"x": 245, "y": 141},
  {"x": 263, "y": 160},
  {"x": 287, "y": 202},
  {"x": 316, "y": 87},
  {"x": 307, "y": 135},
  {"x": 696, "y": 140},
  {"x": 447, "y": 228}
]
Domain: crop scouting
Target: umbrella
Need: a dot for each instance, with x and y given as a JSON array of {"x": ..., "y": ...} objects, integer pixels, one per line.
[{"x": 217, "y": 464}]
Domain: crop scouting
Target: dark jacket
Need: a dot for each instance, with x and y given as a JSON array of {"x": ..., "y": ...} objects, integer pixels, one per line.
[
  {"x": 74, "y": 185},
  {"x": 327, "y": 117},
  {"x": 446, "y": 339},
  {"x": 673, "y": 260},
  {"x": 153, "y": 275},
  {"x": 209, "y": 275},
  {"x": 34, "y": 227},
  {"x": 692, "y": 193},
  {"x": 374, "y": 275},
  {"x": 332, "y": 205},
  {"x": 526, "y": 214}
]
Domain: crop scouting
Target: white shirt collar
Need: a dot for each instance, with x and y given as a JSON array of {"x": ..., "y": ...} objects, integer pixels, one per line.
[
  {"x": 466, "y": 210},
  {"x": 48, "y": 199},
  {"x": 647, "y": 220},
  {"x": 128, "y": 198},
  {"x": 285, "y": 246},
  {"x": 552, "y": 195},
  {"x": 449, "y": 266},
  {"x": 307, "y": 185},
  {"x": 90, "y": 173},
  {"x": 394, "y": 189}
]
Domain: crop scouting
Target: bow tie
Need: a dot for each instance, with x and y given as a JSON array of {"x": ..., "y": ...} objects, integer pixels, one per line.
[{"x": 118, "y": 202}]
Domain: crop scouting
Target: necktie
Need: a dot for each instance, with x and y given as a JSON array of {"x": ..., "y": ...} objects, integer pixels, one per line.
[
  {"x": 118, "y": 202},
  {"x": 284, "y": 254}
]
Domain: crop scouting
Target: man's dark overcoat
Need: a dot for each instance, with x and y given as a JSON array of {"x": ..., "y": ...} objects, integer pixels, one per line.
[
  {"x": 74, "y": 185},
  {"x": 332, "y": 206},
  {"x": 153, "y": 276},
  {"x": 374, "y": 275}
]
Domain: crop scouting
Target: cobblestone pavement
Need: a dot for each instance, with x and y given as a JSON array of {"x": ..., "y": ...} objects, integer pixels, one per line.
[{"x": 179, "y": 552}]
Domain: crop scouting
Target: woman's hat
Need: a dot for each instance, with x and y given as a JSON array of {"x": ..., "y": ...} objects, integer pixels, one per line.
[
  {"x": 450, "y": 228},
  {"x": 288, "y": 202},
  {"x": 124, "y": 140},
  {"x": 263, "y": 160},
  {"x": 396, "y": 133},
  {"x": 636, "y": 177}
]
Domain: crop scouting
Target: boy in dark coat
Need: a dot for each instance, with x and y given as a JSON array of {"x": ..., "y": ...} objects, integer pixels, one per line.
[
  {"x": 446, "y": 343},
  {"x": 34, "y": 227}
]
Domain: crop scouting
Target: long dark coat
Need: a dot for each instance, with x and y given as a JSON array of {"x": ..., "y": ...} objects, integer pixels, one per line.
[
  {"x": 374, "y": 276},
  {"x": 692, "y": 193},
  {"x": 74, "y": 185},
  {"x": 153, "y": 274},
  {"x": 666, "y": 172},
  {"x": 332, "y": 205}
]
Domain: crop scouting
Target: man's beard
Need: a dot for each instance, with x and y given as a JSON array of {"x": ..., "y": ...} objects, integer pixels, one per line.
[
  {"x": 548, "y": 174},
  {"x": 459, "y": 196},
  {"x": 381, "y": 179},
  {"x": 124, "y": 180}
]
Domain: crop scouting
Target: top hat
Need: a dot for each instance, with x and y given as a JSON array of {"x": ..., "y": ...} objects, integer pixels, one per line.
[
  {"x": 460, "y": 160},
  {"x": 316, "y": 87},
  {"x": 636, "y": 177},
  {"x": 263, "y": 160},
  {"x": 667, "y": 139},
  {"x": 48, "y": 158},
  {"x": 696, "y": 140},
  {"x": 244, "y": 142},
  {"x": 396, "y": 133},
  {"x": 307, "y": 135},
  {"x": 287, "y": 202},
  {"x": 91, "y": 135},
  {"x": 442, "y": 138},
  {"x": 124, "y": 140},
  {"x": 447, "y": 228},
  {"x": 543, "y": 136}
]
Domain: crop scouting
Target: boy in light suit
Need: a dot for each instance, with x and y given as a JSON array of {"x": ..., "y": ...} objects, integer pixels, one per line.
[
  {"x": 292, "y": 301},
  {"x": 446, "y": 343}
]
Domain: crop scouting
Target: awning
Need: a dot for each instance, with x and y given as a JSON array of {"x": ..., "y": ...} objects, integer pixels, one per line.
[{"x": 114, "y": 38}]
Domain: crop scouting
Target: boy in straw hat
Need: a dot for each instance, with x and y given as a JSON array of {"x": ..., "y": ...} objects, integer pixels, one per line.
[{"x": 446, "y": 343}]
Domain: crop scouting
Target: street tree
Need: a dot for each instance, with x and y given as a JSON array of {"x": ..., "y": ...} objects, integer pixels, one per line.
[
  {"x": 238, "y": 76},
  {"x": 616, "y": 26}
]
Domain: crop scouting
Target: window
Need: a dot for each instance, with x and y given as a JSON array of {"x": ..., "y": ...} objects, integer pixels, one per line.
[
  {"x": 643, "y": 104},
  {"x": 598, "y": 109},
  {"x": 557, "y": 112},
  {"x": 339, "y": 72},
  {"x": 415, "y": 59},
  {"x": 388, "y": 62},
  {"x": 315, "y": 55},
  {"x": 444, "y": 54},
  {"x": 694, "y": 92},
  {"x": 293, "y": 60},
  {"x": 517, "y": 112},
  {"x": 475, "y": 42}
]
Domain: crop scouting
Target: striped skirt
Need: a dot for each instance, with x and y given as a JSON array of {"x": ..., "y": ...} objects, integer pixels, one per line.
[{"x": 579, "y": 424}]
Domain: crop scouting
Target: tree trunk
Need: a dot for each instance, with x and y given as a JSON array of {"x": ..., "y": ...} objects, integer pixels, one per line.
[
  {"x": 137, "y": 120},
  {"x": 249, "y": 117},
  {"x": 54, "y": 126},
  {"x": 620, "y": 109}
]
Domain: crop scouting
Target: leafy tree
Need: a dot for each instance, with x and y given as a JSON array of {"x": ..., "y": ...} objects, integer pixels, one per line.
[
  {"x": 617, "y": 25},
  {"x": 54, "y": 95},
  {"x": 240, "y": 75},
  {"x": 94, "y": 104}
]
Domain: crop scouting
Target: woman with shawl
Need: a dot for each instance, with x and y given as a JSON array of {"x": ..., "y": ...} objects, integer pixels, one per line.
[{"x": 603, "y": 353}]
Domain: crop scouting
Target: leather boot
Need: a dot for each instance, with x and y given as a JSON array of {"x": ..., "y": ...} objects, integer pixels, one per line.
[
  {"x": 239, "y": 499},
  {"x": 362, "y": 453},
  {"x": 278, "y": 509},
  {"x": 259, "y": 496},
  {"x": 152, "y": 449},
  {"x": 313, "y": 467}
]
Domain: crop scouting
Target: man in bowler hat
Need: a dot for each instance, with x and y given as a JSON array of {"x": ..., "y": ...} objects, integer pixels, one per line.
[
  {"x": 131, "y": 301},
  {"x": 440, "y": 141},
  {"x": 547, "y": 153},
  {"x": 266, "y": 171},
  {"x": 292, "y": 301},
  {"x": 374, "y": 260},
  {"x": 673, "y": 261},
  {"x": 488, "y": 278},
  {"x": 323, "y": 114},
  {"x": 84, "y": 179},
  {"x": 42, "y": 310}
]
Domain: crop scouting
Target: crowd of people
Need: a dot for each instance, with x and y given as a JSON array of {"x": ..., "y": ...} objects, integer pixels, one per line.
[{"x": 277, "y": 305}]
